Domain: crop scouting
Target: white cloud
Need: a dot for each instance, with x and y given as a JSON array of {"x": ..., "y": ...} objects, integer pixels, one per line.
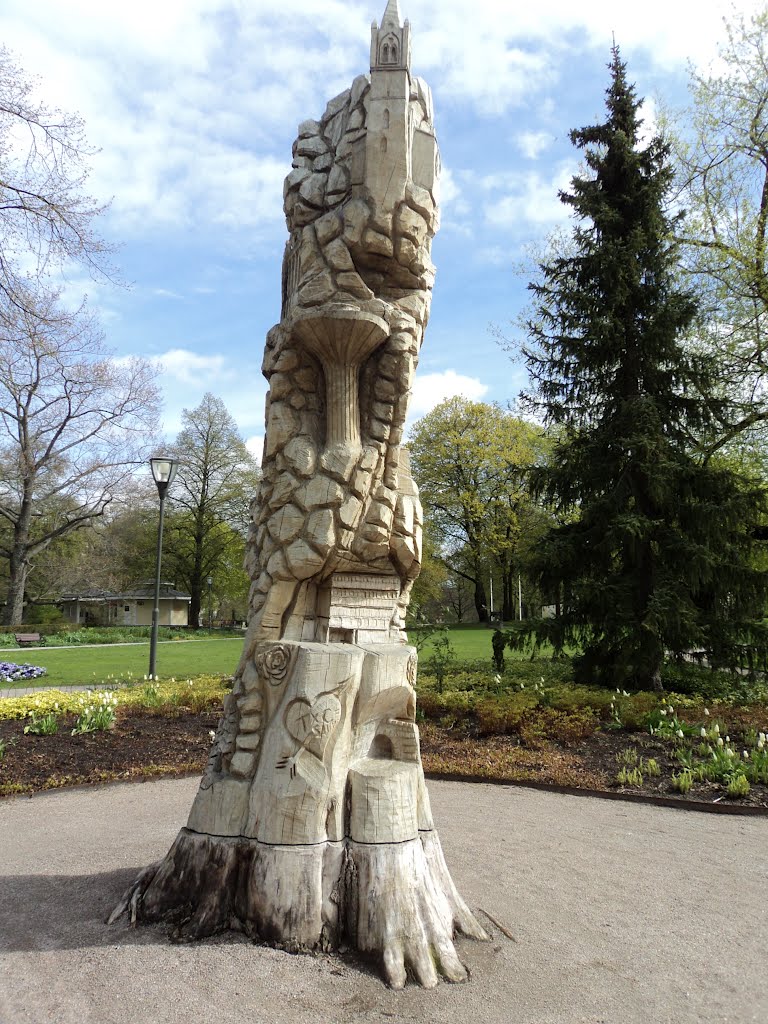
[
  {"x": 255, "y": 446},
  {"x": 448, "y": 186},
  {"x": 528, "y": 198},
  {"x": 193, "y": 102},
  {"x": 191, "y": 368},
  {"x": 432, "y": 388},
  {"x": 650, "y": 126},
  {"x": 494, "y": 256},
  {"x": 532, "y": 144}
]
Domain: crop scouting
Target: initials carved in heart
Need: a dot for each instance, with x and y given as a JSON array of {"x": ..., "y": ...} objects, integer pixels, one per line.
[{"x": 311, "y": 725}]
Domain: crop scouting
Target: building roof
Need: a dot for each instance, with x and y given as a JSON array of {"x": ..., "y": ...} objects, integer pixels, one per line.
[{"x": 140, "y": 593}]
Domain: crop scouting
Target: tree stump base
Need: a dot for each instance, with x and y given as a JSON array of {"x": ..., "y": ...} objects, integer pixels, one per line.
[
  {"x": 315, "y": 832},
  {"x": 394, "y": 903}
]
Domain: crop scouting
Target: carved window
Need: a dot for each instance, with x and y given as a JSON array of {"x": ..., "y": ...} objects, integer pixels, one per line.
[
  {"x": 383, "y": 145},
  {"x": 386, "y": 119},
  {"x": 388, "y": 51}
]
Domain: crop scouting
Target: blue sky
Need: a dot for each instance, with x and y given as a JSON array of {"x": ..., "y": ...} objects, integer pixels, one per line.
[{"x": 194, "y": 105}]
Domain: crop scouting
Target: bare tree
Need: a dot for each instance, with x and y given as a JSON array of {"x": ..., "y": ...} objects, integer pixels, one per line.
[
  {"x": 45, "y": 216},
  {"x": 720, "y": 151},
  {"x": 73, "y": 424}
]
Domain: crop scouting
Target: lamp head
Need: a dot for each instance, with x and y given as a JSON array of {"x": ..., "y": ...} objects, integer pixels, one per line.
[{"x": 163, "y": 472}]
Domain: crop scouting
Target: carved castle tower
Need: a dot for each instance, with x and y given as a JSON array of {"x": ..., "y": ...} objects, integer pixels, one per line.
[{"x": 388, "y": 150}]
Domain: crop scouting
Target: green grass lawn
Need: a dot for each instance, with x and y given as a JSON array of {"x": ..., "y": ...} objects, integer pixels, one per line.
[
  {"x": 74, "y": 666},
  {"x": 470, "y": 642}
]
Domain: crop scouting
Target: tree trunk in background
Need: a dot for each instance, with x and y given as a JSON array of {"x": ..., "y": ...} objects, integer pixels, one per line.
[{"x": 481, "y": 601}]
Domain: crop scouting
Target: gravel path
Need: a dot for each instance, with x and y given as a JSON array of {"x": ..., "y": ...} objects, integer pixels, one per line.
[{"x": 621, "y": 913}]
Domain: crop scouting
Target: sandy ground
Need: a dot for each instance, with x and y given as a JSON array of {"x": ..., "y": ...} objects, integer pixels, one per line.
[{"x": 620, "y": 913}]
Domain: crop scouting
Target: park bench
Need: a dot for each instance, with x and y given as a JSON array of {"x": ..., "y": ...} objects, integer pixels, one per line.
[{"x": 28, "y": 639}]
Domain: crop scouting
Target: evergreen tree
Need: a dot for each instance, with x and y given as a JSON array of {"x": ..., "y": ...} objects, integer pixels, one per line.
[{"x": 656, "y": 557}]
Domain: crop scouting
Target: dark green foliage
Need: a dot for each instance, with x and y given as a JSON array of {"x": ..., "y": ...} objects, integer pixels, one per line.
[{"x": 653, "y": 551}]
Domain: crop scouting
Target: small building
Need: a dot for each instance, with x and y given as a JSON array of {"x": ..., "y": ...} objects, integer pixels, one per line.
[{"x": 129, "y": 608}]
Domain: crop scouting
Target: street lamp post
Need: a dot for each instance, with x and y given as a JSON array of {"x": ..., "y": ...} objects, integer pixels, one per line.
[
  {"x": 163, "y": 472},
  {"x": 210, "y": 605}
]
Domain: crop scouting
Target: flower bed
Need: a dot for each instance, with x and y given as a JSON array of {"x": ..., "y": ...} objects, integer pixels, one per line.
[{"x": 11, "y": 672}]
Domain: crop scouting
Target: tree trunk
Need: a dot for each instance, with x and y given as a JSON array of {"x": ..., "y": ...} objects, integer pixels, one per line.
[
  {"x": 196, "y": 590},
  {"x": 195, "y": 606},
  {"x": 18, "y": 566},
  {"x": 13, "y": 612},
  {"x": 481, "y": 600},
  {"x": 507, "y": 595},
  {"x": 313, "y": 800}
]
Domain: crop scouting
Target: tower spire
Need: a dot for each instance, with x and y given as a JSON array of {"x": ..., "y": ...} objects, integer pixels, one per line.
[
  {"x": 391, "y": 42},
  {"x": 391, "y": 18}
]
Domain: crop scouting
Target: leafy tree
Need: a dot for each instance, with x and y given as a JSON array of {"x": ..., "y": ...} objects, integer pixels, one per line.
[
  {"x": 658, "y": 557},
  {"x": 469, "y": 460},
  {"x": 115, "y": 553},
  {"x": 426, "y": 596},
  {"x": 46, "y": 219},
  {"x": 210, "y": 501},
  {"x": 721, "y": 153},
  {"x": 73, "y": 426}
]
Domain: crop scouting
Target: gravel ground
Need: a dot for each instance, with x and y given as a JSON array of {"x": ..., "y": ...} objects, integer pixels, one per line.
[{"x": 620, "y": 913}]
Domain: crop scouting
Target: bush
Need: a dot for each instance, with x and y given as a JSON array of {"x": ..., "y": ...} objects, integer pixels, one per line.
[
  {"x": 568, "y": 727},
  {"x": 504, "y": 714},
  {"x": 44, "y": 615},
  {"x": 683, "y": 781},
  {"x": 201, "y": 693},
  {"x": 42, "y": 725},
  {"x": 97, "y": 714},
  {"x": 738, "y": 786},
  {"x": 685, "y": 678}
]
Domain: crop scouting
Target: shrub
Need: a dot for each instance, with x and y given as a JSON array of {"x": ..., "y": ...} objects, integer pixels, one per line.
[
  {"x": 685, "y": 678},
  {"x": 567, "y": 727},
  {"x": 208, "y": 690},
  {"x": 504, "y": 714},
  {"x": 651, "y": 768},
  {"x": 756, "y": 767},
  {"x": 42, "y": 725},
  {"x": 97, "y": 714},
  {"x": 682, "y": 782},
  {"x": 442, "y": 657},
  {"x": 630, "y": 777},
  {"x": 151, "y": 697},
  {"x": 738, "y": 786}
]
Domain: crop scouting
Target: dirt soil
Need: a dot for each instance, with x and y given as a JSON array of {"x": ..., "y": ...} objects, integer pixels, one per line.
[
  {"x": 141, "y": 745},
  {"x": 145, "y": 744}
]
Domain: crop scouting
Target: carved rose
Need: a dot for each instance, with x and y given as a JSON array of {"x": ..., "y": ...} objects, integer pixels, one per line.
[{"x": 273, "y": 663}]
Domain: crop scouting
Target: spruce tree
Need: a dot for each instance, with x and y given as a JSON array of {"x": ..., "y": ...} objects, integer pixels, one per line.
[{"x": 653, "y": 551}]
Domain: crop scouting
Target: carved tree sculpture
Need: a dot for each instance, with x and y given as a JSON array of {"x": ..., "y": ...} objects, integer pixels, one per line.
[{"x": 312, "y": 825}]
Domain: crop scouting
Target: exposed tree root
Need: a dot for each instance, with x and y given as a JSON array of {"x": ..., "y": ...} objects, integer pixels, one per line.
[{"x": 394, "y": 902}]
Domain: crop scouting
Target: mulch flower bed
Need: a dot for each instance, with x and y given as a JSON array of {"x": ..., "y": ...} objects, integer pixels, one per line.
[
  {"x": 141, "y": 745},
  {"x": 148, "y": 744}
]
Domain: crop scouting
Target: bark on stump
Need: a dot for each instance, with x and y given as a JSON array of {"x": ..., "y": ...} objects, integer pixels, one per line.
[{"x": 328, "y": 841}]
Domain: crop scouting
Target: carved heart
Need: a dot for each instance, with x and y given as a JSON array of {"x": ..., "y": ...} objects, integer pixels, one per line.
[{"x": 311, "y": 725}]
